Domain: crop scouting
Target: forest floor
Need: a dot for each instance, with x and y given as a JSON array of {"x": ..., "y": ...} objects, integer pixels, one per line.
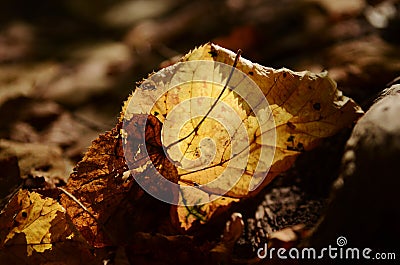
[{"x": 67, "y": 66}]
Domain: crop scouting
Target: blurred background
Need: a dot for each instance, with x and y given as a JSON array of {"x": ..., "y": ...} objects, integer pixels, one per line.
[{"x": 66, "y": 66}]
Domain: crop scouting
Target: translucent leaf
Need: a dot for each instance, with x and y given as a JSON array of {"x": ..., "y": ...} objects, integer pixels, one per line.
[{"x": 216, "y": 130}]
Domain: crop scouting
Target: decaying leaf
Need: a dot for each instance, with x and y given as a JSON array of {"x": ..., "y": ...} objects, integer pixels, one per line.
[
  {"x": 35, "y": 230},
  {"x": 107, "y": 202},
  {"x": 98, "y": 184},
  {"x": 216, "y": 134},
  {"x": 305, "y": 107}
]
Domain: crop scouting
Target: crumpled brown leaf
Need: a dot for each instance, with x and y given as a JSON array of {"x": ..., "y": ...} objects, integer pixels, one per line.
[
  {"x": 118, "y": 207},
  {"x": 98, "y": 183}
]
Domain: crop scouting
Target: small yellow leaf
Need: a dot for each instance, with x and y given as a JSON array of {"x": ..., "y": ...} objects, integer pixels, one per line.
[{"x": 40, "y": 221}]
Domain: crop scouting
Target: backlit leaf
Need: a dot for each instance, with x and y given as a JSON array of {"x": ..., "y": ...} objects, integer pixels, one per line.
[
  {"x": 303, "y": 108},
  {"x": 200, "y": 135},
  {"x": 35, "y": 230}
]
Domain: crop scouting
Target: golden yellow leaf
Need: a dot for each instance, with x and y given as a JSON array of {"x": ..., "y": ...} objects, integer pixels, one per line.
[
  {"x": 35, "y": 230},
  {"x": 229, "y": 127},
  {"x": 36, "y": 220}
]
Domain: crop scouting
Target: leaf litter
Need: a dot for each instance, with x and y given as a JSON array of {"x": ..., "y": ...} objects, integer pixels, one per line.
[{"x": 114, "y": 211}]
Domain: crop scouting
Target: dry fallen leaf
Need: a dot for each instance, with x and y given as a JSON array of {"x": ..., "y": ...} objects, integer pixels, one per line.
[
  {"x": 104, "y": 203},
  {"x": 216, "y": 134},
  {"x": 35, "y": 230},
  {"x": 305, "y": 108},
  {"x": 107, "y": 203},
  {"x": 97, "y": 183}
]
